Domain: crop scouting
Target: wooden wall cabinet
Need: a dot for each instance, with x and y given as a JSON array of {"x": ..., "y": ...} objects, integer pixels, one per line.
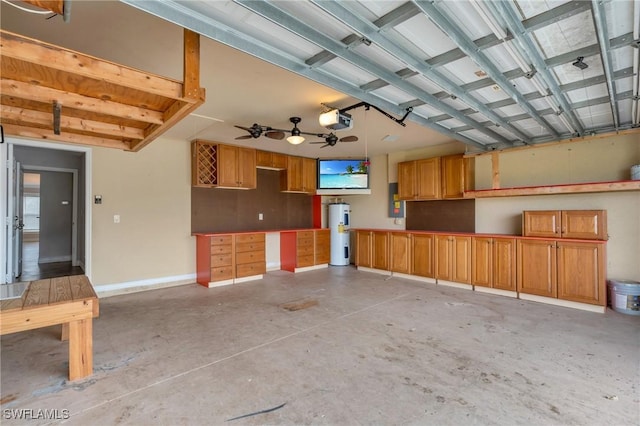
[
  {"x": 222, "y": 166},
  {"x": 204, "y": 164},
  {"x": 578, "y": 224},
  {"x": 567, "y": 270},
  {"x": 453, "y": 258},
  {"x": 271, "y": 160},
  {"x": 435, "y": 178},
  {"x": 300, "y": 175},
  {"x": 372, "y": 249},
  {"x": 493, "y": 262},
  {"x": 422, "y": 255},
  {"x": 236, "y": 167},
  {"x": 221, "y": 259},
  {"x": 419, "y": 179}
]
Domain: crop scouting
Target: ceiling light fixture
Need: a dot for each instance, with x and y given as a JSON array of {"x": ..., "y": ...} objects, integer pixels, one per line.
[{"x": 295, "y": 138}]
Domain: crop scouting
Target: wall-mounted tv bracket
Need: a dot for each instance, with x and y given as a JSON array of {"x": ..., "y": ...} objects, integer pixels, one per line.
[{"x": 367, "y": 106}]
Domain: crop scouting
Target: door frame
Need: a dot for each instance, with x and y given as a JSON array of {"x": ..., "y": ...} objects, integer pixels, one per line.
[
  {"x": 74, "y": 206},
  {"x": 6, "y": 156}
]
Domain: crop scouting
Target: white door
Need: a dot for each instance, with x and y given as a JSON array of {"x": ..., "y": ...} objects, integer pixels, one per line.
[{"x": 10, "y": 222}]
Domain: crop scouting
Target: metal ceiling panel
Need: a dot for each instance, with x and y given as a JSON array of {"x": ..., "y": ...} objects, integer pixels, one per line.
[{"x": 497, "y": 73}]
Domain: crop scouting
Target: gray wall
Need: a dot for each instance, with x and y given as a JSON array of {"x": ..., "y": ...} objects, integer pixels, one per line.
[{"x": 40, "y": 157}]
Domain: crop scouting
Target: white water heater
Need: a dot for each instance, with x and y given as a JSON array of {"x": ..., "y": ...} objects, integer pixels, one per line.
[{"x": 339, "y": 223}]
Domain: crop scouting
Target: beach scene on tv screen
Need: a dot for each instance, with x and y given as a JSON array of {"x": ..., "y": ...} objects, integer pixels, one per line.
[{"x": 343, "y": 174}]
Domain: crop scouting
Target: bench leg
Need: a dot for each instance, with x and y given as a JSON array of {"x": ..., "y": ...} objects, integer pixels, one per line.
[
  {"x": 80, "y": 348},
  {"x": 64, "y": 336}
]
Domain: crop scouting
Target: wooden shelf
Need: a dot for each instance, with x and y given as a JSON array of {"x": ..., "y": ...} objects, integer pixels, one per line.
[{"x": 574, "y": 188}]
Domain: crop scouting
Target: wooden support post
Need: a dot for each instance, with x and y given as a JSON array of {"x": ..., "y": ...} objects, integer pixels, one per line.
[
  {"x": 495, "y": 170},
  {"x": 64, "y": 335},
  {"x": 191, "y": 64},
  {"x": 80, "y": 348}
]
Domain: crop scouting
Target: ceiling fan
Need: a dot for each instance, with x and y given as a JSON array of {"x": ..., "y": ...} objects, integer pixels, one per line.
[
  {"x": 331, "y": 139},
  {"x": 257, "y": 130},
  {"x": 296, "y": 137}
]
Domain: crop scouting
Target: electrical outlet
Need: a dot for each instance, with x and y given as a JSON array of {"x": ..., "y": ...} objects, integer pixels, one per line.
[
  {"x": 116, "y": 218},
  {"x": 260, "y": 216}
]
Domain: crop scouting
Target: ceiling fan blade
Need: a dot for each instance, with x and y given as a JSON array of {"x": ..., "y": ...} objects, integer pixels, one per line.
[
  {"x": 243, "y": 128},
  {"x": 325, "y": 145},
  {"x": 318, "y": 142},
  {"x": 244, "y": 137},
  {"x": 274, "y": 134},
  {"x": 349, "y": 139}
]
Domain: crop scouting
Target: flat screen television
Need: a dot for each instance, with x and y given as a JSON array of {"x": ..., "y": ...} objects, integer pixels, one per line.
[{"x": 343, "y": 174}]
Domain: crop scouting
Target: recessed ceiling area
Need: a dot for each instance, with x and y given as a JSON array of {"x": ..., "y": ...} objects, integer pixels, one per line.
[{"x": 489, "y": 75}]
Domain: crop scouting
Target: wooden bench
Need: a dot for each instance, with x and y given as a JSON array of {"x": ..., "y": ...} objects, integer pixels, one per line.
[{"x": 70, "y": 301}]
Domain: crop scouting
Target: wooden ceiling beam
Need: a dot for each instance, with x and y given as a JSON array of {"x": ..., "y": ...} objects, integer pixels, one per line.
[
  {"x": 73, "y": 138},
  {"x": 31, "y": 118},
  {"x": 53, "y": 57},
  {"x": 47, "y": 95}
]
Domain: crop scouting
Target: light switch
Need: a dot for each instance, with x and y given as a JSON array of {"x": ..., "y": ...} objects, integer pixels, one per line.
[
  {"x": 116, "y": 218},
  {"x": 260, "y": 216}
]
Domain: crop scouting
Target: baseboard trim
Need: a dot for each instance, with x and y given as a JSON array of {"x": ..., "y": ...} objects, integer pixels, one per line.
[
  {"x": 311, "y": 268},
  {"x": 414, "y": 277},
  {"x": 564, "y": 303},
  {"x": 108, "y": 290},
  {"x": 496, "y": 291},
  {"x": 375, "y": 271},
  {"x": 454, "y": 284},
  {"x": 54, "y": 259}
]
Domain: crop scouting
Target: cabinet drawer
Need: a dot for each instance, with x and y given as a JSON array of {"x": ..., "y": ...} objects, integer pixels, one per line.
[
  {"x": 249, "y": 269},
  {"x": 304, "y": 250},
  {"x": 221, "y": 273},
  {"x": 222, "y": 249},
  {"x": 249, "y": 238},
  {"x": 250, "y": 257},
  {"x": 306, "y": 260},
  {"x": 218, "y": 240},
  {"x": 223, "y": 259},
  {"x": 251, "y": 246}
]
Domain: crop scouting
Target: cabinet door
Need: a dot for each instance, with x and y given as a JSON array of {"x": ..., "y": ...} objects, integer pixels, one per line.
[
  {"x": 542, "y": 223},
  {"x": 422, "y": 262},
  {"x": 305, "y": 248},
  {"x": 322, "y": 246},
  {"x": 584, "y": 224},
  {"x": 443, "y": 257},
  {"x": 452, "y": 176},
  {"x": 407, "y": 180},
  {"x": 309, "y": 176},
  {"x": 228, "y": 166},
  {"x": 482, "y": 261},
  {"x": 291, "y": 179},
  {"x": 264, "y": 159},
  {"x": 363, "y": 249},
  {"x": 380, "y": 251},
  {"x": 400, "y": 243},
  {"x": 581, "y": 276},
  {"x": 278, "y": 161},
  {"x": 504, "y": 264},
  {"x": 247, "y": 175},
  {"x": 428, "y": 178},
  {"x": 537, "y": 267},
  {"x": 461, "y": 262}
]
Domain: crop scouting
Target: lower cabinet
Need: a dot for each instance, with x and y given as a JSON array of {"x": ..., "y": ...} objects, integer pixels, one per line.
[
  {"x": 221, "y": 259},
  {"x": 372, "y": 249},
  {"x": 304, "y": 248},
  {"x": 422, "y": 255},
  {"x": 568, "y": 270},
  {"x": 493, "y": 262},
  {"x": 400, "y": 259},
  {"x": 453, "y": 258}
]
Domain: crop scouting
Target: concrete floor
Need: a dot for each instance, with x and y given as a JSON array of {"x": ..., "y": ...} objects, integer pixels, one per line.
[{"x": 372, "y": 351}]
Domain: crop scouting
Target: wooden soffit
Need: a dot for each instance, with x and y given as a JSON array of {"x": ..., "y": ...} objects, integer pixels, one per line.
[{"x": 52, "y": 93}]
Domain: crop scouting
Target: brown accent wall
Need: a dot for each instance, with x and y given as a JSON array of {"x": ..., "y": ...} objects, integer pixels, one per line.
[
  {"x": 225, "y": 210},
  {"x": 446, "y": 215}
]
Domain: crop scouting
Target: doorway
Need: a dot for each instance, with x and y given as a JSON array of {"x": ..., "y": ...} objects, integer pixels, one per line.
[{"x": 47, "y": 200}]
